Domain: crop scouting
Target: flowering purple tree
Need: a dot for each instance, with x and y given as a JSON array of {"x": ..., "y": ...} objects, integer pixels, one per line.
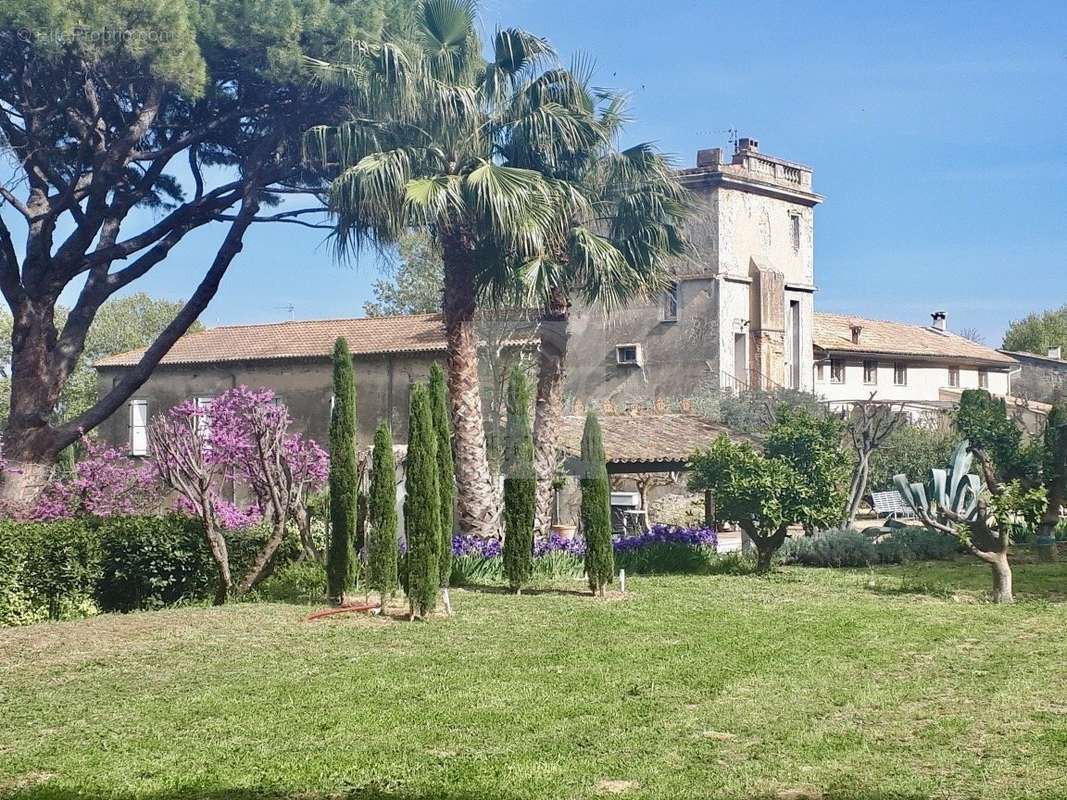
[
  {"x": 241, "y": 436},
  {"x": 105, "y": 483}
]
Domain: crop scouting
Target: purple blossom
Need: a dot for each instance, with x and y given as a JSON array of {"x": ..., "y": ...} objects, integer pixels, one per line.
[{"x": 554, "y": 543}]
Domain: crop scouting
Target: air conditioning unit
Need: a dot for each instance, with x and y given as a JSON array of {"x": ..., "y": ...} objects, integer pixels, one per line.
[{"x": 629, "y": 355}]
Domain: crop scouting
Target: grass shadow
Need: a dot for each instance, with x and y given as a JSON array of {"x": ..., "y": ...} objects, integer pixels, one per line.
[{"x": 489, "y": 588}]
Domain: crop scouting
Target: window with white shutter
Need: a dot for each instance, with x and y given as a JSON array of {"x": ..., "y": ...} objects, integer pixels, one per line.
[{"x": 138, "y": 427}]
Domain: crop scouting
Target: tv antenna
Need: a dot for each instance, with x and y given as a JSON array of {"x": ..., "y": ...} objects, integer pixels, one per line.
[
  {"x": 732, "y": 137},
  {"x": 290, "y": 308}
]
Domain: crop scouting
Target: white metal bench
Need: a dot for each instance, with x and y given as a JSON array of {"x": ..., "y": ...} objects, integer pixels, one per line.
[{"x": 891, "y": 505}]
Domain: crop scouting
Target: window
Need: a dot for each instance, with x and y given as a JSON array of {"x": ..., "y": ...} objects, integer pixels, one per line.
[
  {"x": 900, "y": 374},
  {"x": 837, "y": 370},
  {"x": 983, "y": 379},
  {"x": 954, "y": 376},
  {"x": 203, "y": 425},
  {"x": 819, "y": 373},
  {"x": 628, "y": 355},
  {"x": 870, "y": 372},
  {"x": 795, "y": 223},
  {"x": 138, "y": 427},
  {"x": 670, "y": 303}
]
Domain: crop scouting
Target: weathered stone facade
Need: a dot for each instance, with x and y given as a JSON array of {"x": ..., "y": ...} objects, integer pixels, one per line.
[
  {"x": 305, "y": 386},
  {"x": 1041, "y": 378},
  {"x": 741, "y": 312}
]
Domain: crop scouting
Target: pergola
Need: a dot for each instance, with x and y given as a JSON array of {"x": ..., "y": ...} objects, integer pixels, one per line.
[{"x": 636, "y": 443}]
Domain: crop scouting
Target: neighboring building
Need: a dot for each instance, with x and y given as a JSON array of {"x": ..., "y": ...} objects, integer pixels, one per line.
[
  {"x": 739, "y": 314},
  {"x": 1041, "y": 378},
  {"x": 292, "y": 358},
  {"x": 923, "y": 365}
]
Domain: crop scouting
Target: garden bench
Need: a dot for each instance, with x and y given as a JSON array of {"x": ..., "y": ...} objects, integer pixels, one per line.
[{"x": 891, "y": 505}]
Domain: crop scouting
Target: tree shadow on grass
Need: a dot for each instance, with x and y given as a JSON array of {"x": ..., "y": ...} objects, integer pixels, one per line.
[
  {"x": 43, "y": 791},
  {"x": 488, "y": 588}
]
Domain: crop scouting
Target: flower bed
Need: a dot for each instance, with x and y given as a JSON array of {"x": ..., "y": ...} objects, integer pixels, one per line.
[{"x": 662, "y": 549}]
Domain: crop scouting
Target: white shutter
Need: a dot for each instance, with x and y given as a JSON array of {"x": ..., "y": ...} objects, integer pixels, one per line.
[{"x": 139, "y": 427}]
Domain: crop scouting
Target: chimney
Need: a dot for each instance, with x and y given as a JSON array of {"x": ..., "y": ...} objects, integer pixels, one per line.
[
  {"x": 711, "y": 157},
  {"x": 940, "y": 320},
  {"x": 745, "y": 143},
  {"x": 856, "y": 329},
  {"x": 1056, "y": 352}
]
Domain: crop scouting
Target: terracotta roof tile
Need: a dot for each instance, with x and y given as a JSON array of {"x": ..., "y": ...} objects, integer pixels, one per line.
[
  {"x": 833, "y": 333},
  {"x": 305, "y": 339},
  {"x": 645, "y": 437}
]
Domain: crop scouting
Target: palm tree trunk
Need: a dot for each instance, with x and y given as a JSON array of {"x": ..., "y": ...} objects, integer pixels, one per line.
[
  {"x": 549, "y": 413},
  {"x": 477, "y": 498}
]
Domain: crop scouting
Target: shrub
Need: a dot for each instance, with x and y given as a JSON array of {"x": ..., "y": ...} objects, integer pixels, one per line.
[
  {"x": 150, "y": 562},
  {"x": 302, "y": 582},
  {"x": 916, "y": 544},
  {"x": 834, "y": 548},
  {"x": 911, "y": 450},
  {"x": 848, "y": 548},
  {"x": 56, "y": 564}
]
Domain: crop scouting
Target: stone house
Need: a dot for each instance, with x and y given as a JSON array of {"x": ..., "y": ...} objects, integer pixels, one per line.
[
  {"x": 1040, "y": 378},
  {"x": 293, "y": 359},
  {"x": 738, "y": 313}
]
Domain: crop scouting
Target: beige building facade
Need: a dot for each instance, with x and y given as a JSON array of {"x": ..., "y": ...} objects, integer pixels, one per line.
[{"x": 739, "y": 313}]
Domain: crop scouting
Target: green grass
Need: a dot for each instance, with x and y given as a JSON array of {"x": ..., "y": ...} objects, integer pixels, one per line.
[{"x": 888, "y": 683}]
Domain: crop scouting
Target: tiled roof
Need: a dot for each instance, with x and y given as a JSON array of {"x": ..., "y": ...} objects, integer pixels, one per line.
[
  {"x": 644, "y": 437},
  {"x": 308, "y": 339},
  {"x": 833, "y": 333}
]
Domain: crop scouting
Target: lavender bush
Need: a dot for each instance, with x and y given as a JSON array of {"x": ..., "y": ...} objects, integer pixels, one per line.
[{"x": 662, "y": 549}]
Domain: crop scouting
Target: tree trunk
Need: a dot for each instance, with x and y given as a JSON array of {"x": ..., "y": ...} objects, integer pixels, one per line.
[
  {"x": 764, "y": 555},
  {"x": 23, "y": 481},
  {"x": 1002, "y": 591},
  {"x": 549, "y": 412},
  {"x": 258, "y": 570},
  {"x": 477, "y": 498},
  {"x": 219, "y": 553},
  {"x": 857, "y": 489}
]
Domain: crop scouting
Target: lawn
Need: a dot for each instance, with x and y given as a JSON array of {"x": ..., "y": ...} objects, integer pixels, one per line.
[{"x": 806, "y": 684}]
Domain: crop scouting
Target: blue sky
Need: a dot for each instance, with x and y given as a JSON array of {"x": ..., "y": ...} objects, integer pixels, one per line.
[{"x": 936, "y": 131}]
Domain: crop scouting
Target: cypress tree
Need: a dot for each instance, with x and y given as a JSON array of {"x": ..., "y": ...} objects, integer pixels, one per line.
[
  {"x": 381, "y": 505},
  {"x": 596, "y": 508},
  {"x": 341, "y": 558},
  {"x": 446, "y": 473},
  {"x": 520, "y": 485},
  {"x": 422, "y": 506}
]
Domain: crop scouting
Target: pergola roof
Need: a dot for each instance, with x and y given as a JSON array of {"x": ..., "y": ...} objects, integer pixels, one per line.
[{"x": 645, "y": 442}]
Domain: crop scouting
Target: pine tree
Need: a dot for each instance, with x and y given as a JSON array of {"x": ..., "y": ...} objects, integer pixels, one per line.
[
  {"x": 341, "y": 559},
  {"x": 596, "y": 508},
  {"x": 381, "y": 542},
  {"x": 422, "y": 506},
  {"x": 520, "y": 485},
  {"x": 446, "y": 473}
]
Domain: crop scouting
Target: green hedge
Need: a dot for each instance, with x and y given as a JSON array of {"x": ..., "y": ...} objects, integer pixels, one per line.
[{"x": 69, "y": 568}]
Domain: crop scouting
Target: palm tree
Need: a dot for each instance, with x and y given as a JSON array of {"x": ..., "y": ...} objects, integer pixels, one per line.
[
  {"x": 618, "y": 246},
  {"x": 434, "y": 148}
]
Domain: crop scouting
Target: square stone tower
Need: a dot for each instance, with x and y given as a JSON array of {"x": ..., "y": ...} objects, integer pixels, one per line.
[{"x": 739, "y": 314}]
